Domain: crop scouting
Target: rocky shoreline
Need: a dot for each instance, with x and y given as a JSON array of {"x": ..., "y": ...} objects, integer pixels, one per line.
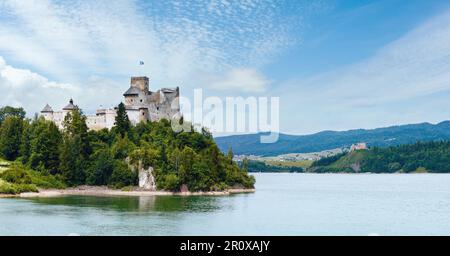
[{"x": 105, "y": 191}]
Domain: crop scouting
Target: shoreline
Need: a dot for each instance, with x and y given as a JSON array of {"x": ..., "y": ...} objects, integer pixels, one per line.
[{"x": 103, "y": 191}]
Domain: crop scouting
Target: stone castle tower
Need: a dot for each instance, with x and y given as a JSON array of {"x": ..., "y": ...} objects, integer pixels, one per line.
[{"x": 141, "y": 104}]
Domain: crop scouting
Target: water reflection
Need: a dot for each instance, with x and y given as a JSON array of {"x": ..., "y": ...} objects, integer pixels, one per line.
[{"x": 138, "y": 204}]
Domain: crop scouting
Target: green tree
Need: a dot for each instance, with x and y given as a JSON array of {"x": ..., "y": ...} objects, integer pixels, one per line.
[
  {"x": 215, "y": 164},
  {"x": 75, "y": 125},
  {"x": 45, "y": 144},
  {"x": 79, "y": 156},
  {"x": 122, "y": 147},
  {"x": 122, "y": 124},
  {"x": 25, "y": 143},
  {"x": 10, "y": 137},
  {"x": 101, "y": 168},
  {"x": 187, "y": 160},
  {"x": 11, "y": 111},
  {"x": 122, "y": 176},
  {"x": 230, "y": 154},
  {"x": 171, "y": 182},
  {"x": 175, "y": 159},
  {"x": 245, "y": 164},
  {"x": 75, "y": 149}
]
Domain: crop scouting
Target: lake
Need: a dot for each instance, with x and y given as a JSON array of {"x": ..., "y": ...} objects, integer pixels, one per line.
[{"x": 284, "y": 204}]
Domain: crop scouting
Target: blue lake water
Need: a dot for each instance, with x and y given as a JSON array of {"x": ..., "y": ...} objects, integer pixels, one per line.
[{"x": 284, "y": 204}]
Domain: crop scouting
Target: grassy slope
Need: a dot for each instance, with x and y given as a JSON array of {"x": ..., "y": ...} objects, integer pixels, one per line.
[
  {"x": 5, "y": 187},
  {"x": 350, "y": 159},
  {"x": 347, "y": 163},
  {"x": 3, "y": 167},
  {"x": 36, "y": 179}
]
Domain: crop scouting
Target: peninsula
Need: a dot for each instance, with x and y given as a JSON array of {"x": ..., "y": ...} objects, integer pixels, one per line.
[{"x": 56, "y": 153}]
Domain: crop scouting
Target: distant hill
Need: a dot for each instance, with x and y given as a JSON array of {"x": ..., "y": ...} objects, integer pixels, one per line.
[
  {"x": 249, "y": 144},
  {"x": 417, "y": 157}
]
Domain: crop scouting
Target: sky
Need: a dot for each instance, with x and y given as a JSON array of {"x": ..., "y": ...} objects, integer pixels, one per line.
[{"x": 335, "y": 64}]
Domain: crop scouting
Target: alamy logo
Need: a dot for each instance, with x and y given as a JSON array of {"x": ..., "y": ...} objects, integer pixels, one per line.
[{"x": 232, "y": 115}]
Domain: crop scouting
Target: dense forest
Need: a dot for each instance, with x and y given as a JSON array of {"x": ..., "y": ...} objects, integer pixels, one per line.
[
  {"x": 41, "y": 155},
  {"x": 419, "y": 157}
]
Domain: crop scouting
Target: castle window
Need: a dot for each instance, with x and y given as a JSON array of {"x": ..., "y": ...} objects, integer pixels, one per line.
[
  {"x": 141, "y": 100},
  {"x": 143, "y": 113},
  {"x": 157, "y": 108}
]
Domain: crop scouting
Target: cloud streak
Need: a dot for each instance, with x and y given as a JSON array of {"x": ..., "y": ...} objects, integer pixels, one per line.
[{"x": 176, "y": 39}]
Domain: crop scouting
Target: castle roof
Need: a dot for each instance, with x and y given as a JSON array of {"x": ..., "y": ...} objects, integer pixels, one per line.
[
  {"x": 47, "y": 109},
  {"x": 168, "y": 90},
  {"x": 132, "y": 91},
  {"x": 70, "y": 106}
]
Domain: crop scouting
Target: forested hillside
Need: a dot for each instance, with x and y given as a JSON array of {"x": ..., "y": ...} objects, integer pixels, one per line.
[
  {"x": 37, "y": 150},
  {"x": 249, "y": 144},
  {"x": 419, "y": 157}
]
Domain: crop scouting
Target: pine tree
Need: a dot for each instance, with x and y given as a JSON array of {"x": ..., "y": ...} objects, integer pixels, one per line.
[
  {"x": 75, "y": 149},
  {"x": 187, "y": 160},
  {"x": 25, "y": 149},
  {"x": 102, "y": 167},
  {"x": 230, "y": 154},
  {"x": 122, "y": 123},
  {"x": 45, "y": 147},
  {"x": 72, "y": 162}
]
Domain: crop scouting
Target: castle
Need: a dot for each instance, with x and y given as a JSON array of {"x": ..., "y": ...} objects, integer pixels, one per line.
[{"x": 141, "y": 105}]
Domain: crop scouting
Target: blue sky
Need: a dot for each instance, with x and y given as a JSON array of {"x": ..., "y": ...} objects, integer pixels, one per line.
[
  {"x": 350, "y": 31},
  {"x": 335, "y": 65}
]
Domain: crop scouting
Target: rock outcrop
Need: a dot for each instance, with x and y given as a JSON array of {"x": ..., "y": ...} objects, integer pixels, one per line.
[{"x": 146, "y": 178}]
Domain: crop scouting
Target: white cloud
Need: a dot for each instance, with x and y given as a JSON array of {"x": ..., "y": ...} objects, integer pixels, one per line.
[
  {"x": 24, "y": 88},
  {"x": 71, "y": 41},
  {"x": 112, "y": 36},
  {"x": 245, "y": 80}
]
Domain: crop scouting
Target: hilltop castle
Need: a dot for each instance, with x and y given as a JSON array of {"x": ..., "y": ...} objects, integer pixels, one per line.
[{"x": 141, "y": 105}]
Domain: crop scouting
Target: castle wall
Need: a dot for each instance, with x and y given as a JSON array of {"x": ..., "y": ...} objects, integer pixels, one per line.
[
  {"x": 134, "y": 116},
  {"x": 57, "y": 117},
  {"x": 105, "y": 118},
  {"x": 143, "y": 115},
  {"x": 131, "y": 100}
]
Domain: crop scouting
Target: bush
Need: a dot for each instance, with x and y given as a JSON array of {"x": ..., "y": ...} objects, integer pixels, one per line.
[
  {"x": 16, "y": 174},
  {"x": 47, "y": 180},
  {"x": 22, "y": 188},
  {"x": 171, "y": 182},
  {"x": 12, "y": 189},
  {"x": 249, "y": 182},
  {"x": 122, "y": 176},
  {"x": 393, "y": 167},
  {"x": 219, "y": 187},
  {"x": 7, "y": 188},
  {"x": 127, "y": 188}
]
